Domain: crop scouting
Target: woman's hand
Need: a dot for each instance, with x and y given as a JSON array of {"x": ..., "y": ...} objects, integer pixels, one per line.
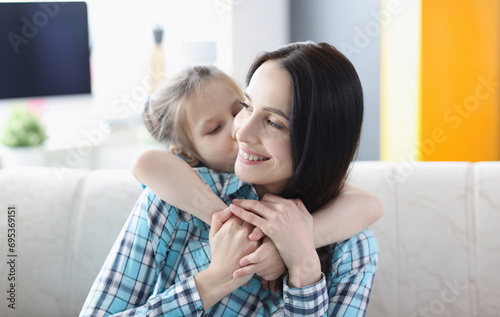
[
  {"x": 265, "y": 262},
  {"x": 290, "y": 226},
  {"x": 228, "y": 244}
]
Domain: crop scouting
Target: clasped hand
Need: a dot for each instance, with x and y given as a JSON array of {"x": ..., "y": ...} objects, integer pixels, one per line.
[
  {"x": 228, "y": 244},
  {"x": 239, "y": 251},
  {"x": 289, "y": 225}
]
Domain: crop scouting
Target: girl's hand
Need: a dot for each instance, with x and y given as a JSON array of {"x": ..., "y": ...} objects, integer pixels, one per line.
[
  {"x": 290, "y": 226},
  {"x": 228, "y": 244},
  {"x": 265, "y": 262}
]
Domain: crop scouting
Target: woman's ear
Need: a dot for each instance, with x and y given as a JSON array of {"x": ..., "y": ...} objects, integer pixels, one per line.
[{"x": 179, "y": 151}]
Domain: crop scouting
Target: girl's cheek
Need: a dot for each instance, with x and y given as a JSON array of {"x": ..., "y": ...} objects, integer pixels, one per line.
[{"x": 236, "y": 124}]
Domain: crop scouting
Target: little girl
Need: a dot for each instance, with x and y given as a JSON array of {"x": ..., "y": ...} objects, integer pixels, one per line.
[{"x": 193, "y": 116}]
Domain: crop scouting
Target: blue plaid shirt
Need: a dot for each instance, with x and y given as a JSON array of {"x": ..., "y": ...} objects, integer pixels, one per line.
[{"x": 150, "y": 269}]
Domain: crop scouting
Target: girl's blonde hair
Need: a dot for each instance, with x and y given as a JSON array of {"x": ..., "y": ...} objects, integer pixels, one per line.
[{"x": 164, "y": 112}]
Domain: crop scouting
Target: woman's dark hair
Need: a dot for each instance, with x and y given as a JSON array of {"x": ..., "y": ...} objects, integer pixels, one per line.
[{"x": 325, "y": 120}]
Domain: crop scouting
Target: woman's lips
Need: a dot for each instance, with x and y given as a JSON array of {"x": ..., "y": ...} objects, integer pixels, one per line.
[{"x": 249, "y": 157}]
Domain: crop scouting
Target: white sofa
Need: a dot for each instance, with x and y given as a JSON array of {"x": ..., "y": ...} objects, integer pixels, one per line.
[{"x": 439, "y": 238}]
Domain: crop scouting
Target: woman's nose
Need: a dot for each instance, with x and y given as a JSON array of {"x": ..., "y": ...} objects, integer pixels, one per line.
[{"x": 245, "y": 129}]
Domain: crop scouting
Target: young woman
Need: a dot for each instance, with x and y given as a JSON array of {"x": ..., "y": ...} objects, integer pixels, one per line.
[
  {"x": 193, "y": 116},
  {"x": 297, "y": 136}
]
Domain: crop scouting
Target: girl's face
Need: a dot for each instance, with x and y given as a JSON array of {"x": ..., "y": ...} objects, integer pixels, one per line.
[
  {"x": 262, "y": 130},
  {"x": 210, "y": 118}
]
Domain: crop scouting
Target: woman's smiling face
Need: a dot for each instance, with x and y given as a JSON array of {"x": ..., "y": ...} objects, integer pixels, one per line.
[{"x": 262, "y": 130}]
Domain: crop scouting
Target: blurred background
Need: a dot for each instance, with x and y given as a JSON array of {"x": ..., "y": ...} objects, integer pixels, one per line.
[{"x": 430, "y": 70}]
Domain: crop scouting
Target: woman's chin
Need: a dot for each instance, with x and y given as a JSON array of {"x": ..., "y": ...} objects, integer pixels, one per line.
[
  {"x": 248, "y": 173},
  {"x": 242, "y": 172}
]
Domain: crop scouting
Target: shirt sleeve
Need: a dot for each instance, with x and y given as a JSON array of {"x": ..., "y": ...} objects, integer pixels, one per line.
[
  {"x": 311, "y": 300},
  {"x": 353, "y": 268},
  {"x": 346, "y": 291},
  {"x": 222, "y": 184},
  {"x": 129, "y": 276}
]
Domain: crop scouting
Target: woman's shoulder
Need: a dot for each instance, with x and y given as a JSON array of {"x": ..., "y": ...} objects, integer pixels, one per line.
[
  {"x": 361, "y": 248},
  {"x": 354, "y": 260},
  {"x": 365, "y": 242}
]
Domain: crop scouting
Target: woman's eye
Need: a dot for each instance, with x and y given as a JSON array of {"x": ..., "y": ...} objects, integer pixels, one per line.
[
  {"x": 215, "y": 130},
  {"x": 275, "y": 125}
]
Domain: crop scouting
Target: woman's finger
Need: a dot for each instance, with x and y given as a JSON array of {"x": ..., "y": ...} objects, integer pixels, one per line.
[
  {"x": 256, "y": 234},
  {"x": 255, "y": 206},
  {"x": 273, "y": 198},
  {"x": 300, "y": 205},
  {"x": 245, "y": 271},
  {"x": 218, "y": 219},
  {"x": 258, "y": 269},
  {"x": 247, "y": 216},
  {"x": 257, "y": 256},
  {"x": 280, "y": 200}
]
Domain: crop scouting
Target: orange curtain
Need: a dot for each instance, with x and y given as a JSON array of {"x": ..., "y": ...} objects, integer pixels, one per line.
[{"x": 460, "y": 81}]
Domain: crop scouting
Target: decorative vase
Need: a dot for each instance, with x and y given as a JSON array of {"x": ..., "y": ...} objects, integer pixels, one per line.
[
  {"x": 22, "y": 156},
  {"x": 157, "y": 60}
]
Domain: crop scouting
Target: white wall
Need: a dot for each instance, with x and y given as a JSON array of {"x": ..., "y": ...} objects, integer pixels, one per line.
[
  {"x": 258, "y": 25},
  {"x": 122, "y": 42},
  {"x": 354, "y": 28},
  {"x": 400, "y": 80}
]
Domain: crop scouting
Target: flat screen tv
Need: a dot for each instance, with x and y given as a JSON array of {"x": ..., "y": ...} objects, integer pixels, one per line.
[{"x": 44, "y": 49}]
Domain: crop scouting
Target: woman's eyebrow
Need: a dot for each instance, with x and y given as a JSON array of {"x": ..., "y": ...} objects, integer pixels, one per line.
[
  {"x": 271, "y": 109},
  {"x": 276, "y": 111}
]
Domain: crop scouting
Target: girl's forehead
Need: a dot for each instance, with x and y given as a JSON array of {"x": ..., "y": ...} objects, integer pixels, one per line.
[{"x": 210, "y": 103}]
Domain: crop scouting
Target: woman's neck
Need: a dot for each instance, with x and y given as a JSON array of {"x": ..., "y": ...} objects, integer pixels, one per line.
[{"x": 267, "y": 189}]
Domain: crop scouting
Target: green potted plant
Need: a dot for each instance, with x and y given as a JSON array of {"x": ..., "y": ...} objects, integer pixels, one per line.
[{"x": 22, "y": 139}]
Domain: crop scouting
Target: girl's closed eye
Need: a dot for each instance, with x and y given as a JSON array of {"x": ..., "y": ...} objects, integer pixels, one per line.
[
  {"x": 215, "y": 130},
  {"x": 245, "y": 105}
]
